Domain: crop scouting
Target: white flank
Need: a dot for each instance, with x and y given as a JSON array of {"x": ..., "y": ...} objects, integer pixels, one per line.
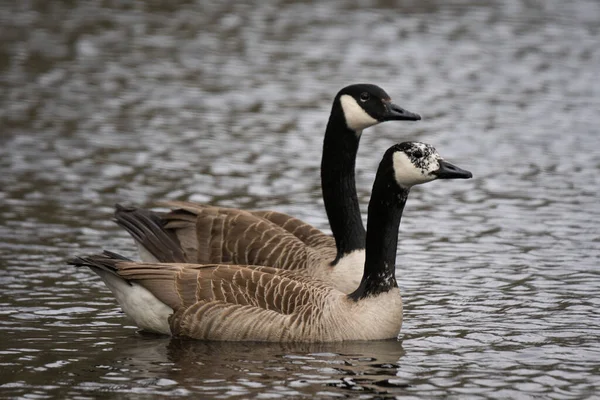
[
  {"x": 357, "y": 118},
  {"x": 407, "y": 174},
  {"x": 138, "y": 303}
]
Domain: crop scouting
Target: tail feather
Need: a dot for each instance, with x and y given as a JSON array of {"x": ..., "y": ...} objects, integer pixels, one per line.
[
  {"x": 140, "y": 304},
  {"x": 106, "y": 261},
  {"x": 148, "y": 230}
]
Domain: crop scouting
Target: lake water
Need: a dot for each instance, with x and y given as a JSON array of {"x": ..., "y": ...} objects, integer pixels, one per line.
[{"x": 134, "y": 102}]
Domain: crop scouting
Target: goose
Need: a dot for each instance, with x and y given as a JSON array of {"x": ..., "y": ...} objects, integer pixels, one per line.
[
  {"x": 261, "y": 303},
  {"x": 196, "y": 233}
]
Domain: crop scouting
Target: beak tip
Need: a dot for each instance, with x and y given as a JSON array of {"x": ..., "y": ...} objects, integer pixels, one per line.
[
  {"x": 451, "y": 171},
  {"x": 395, "y": 112}
]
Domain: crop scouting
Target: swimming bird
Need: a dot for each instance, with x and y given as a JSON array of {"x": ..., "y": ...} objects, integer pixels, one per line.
[
  {"x": 196, "y": 233},
  {"x": 260, "y": 303}
]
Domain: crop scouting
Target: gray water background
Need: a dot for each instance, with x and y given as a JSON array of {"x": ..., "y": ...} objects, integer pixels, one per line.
[{"x": 133, "y": 102}]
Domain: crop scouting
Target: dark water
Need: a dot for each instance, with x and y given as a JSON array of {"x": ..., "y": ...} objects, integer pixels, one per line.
[{"x": 106, "y": 102}]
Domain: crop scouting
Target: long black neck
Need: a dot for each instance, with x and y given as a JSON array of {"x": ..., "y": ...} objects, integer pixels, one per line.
[
  {"x": 385, "y": 212},
  {"x": 338, "y": 184}
]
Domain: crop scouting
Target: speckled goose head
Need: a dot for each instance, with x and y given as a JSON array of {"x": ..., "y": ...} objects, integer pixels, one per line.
[
  {"x": 365, "y": 105},
  {"x": 415, "y": 163}
]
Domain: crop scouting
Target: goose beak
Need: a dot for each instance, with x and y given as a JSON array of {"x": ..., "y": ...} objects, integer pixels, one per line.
[
  {"x": 450, "y": 171},
  {"x": 394, "y": 112}
]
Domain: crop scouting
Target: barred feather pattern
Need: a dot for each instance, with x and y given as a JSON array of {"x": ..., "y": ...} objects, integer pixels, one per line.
[
  {"x": 231, "y": 236},
  {"x": 237, "y": 303},
  {"x": 202, "y": 234}
]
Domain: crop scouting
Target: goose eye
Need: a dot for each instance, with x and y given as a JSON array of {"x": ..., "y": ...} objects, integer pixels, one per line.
[
  {"x": 364, "y": 96},
  {"x": 417, "y": 154}
]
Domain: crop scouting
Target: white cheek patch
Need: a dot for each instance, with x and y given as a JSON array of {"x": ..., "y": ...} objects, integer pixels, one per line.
[
  {"x": 407, "y": 174},
  {"x": 357, "y": 118}
]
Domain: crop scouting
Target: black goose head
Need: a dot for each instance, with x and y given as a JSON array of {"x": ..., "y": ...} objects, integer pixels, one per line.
[
  {"x": 364, "y": 105},
  {"x": 414, "y": 163}
]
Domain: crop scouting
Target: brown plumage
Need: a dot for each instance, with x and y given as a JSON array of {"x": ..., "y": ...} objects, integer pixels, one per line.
[
  {"x": 195, "y": 233},
  {"x": 238, "y": 303}
]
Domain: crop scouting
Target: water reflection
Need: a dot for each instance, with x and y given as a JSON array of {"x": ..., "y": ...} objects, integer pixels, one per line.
[
  {"x": 300, "y": 369},
  {"x": 153, "y": 365}
]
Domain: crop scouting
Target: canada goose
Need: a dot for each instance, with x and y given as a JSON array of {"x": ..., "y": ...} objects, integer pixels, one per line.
[
  {"x": 194, "y": 233},
  {"x": 238, "y": 302}
]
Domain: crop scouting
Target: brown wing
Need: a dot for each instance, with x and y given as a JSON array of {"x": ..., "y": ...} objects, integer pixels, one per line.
[
  {"x": 232, "y": 302},
  {"x": 181, "y": 285},
  {"x": 231, "y": 236},
  {"x": 305, "y": 232}
]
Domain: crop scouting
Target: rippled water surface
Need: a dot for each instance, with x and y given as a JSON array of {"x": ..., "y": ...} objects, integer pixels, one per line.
[{"x": 133, "y": 102}]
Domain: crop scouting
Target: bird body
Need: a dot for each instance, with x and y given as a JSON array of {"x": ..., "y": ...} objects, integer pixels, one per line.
[
  {"x": 243, "y": 303},
  {"x": 261, "y": 303}
]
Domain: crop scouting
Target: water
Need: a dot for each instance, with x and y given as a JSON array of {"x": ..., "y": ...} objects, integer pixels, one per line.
[{"x": 132, "y": 103}]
